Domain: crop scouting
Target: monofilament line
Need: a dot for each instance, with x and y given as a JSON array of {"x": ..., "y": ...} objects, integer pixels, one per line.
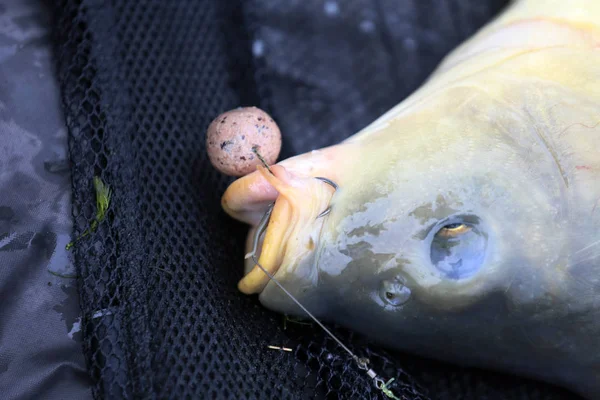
[
  {"x": 271, "y": 277},
  {"x": 362, "y": 362},
  {"x": 260, "y": 229},
  {"x": 262, "y": 226}
]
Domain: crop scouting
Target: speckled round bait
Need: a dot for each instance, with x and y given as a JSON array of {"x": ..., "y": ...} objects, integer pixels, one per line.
[
  {"x": 234, "y": 138},
  {"x": 466, "y": 225}
]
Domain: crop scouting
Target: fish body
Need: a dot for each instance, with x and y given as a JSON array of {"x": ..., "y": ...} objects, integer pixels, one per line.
[{"x": 466, "y": 225}]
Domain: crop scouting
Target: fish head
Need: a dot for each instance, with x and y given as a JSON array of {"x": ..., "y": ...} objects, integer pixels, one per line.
[
  {"x": 284, "y": 210},
  {"x": 439, "y": 211},
  {"x": 463, "y": 225}
]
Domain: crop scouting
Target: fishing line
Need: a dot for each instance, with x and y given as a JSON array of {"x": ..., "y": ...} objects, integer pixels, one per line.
[{"x": 362, "y": 362}]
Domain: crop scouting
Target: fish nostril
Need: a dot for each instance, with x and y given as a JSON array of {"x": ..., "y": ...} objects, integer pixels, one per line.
[{"x": 394, "y": 292}]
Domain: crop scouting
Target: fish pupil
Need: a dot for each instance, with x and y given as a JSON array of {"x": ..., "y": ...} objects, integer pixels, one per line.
[{"x": 389, "y": 295}]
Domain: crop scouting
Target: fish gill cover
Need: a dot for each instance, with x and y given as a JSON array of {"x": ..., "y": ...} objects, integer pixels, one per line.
[{"x": 141, "y": 81}]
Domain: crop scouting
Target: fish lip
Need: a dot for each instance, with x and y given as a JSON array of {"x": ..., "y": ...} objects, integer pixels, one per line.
[
  {"x": 291, "y": 230},
  {"x": 302, "y": 264},
  {"x": 277, "y": 265},
  {"x": 292, "y": 255},
  {"x": 276, "y": 236}
]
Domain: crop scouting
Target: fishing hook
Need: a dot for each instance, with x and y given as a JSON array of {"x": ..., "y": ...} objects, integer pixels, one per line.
[{"x": 335, "y": 188}]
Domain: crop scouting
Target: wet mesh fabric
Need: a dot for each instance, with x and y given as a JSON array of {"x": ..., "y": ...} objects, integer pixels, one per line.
[{"x": 141, "y": 81}]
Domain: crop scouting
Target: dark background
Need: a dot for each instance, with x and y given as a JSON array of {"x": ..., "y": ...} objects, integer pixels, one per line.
[{"x": 139, "y": 82}]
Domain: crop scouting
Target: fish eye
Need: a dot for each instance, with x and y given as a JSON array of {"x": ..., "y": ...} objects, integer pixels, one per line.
[
  {"x": 394, "y": 292},
  {"x": 458, "y": 249}
]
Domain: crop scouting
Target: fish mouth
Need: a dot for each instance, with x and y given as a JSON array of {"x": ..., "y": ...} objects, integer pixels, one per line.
[
  {"x": 270, "y": 249},
  {"x": 292, "y": 231}
]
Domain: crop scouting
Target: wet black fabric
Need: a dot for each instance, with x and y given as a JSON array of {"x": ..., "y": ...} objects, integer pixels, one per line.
[
  {"x": 40, "y": 346},
  {"x": 141, "y": 81}
]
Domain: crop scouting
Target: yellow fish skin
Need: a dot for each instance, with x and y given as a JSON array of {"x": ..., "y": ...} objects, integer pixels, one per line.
[{"x": 466, "y": 226}]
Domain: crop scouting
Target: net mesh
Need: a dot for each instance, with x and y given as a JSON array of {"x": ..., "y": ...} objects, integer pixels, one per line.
[{"x": 141, "y": 81}]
